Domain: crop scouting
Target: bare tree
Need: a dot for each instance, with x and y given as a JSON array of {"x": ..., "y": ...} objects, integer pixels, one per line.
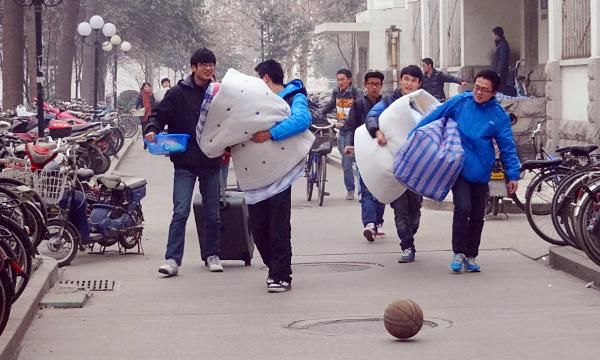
[
  {"x": 66, "y": 49},
  {"x": 13, "y": 48}
]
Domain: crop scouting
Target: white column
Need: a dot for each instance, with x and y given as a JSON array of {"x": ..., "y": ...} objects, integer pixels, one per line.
[
  {"x": 595, "y": 28},
  {"x": 443, "y": 29},
  {"x": 462, "y": 33},
  {"x": 555, "y": 29},
  {"x": 425, "y": 35}
]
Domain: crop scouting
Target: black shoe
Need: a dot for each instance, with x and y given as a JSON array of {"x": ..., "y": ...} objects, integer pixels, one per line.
[
  {"x": 269, "y": 280},
  {"x": 279, "y": 286}
]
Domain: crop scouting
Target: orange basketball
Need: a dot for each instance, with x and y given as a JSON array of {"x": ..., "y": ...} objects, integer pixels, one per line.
[{"x": 403, "y": 318}]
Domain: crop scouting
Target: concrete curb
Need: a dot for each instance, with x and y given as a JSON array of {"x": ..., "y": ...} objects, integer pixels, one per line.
[
  {"x": 574, "y": 262},
  {"x": 25, "y": 308},
  {"x": 126, "y": 146}
]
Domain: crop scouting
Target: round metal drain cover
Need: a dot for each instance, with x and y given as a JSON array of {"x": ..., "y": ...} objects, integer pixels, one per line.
[
  {"x": 331, "y": 267},
  {"x": 355, "y": 326}
]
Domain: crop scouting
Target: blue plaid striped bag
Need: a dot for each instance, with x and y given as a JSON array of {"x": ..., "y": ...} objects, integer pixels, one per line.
[{"x": 431, "y": 159}]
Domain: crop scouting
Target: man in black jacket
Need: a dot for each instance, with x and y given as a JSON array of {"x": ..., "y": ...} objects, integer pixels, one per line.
[
  {"x": 407, "y": 208},
  {"x": 180, "y": 109},
  {"x": 371, "y": 209},
  {"x": 501, "y": 59},
  {"x": 433, "y": 80}
]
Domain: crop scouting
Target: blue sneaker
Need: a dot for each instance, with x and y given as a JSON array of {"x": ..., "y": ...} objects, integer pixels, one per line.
[
  {"x": 471, "y": 265},
  {"x": 457, "y": 263},
  {"x": 408, "y": 255}
]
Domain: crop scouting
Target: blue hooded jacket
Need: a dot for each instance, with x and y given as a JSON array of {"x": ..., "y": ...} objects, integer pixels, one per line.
[
  {"x": 478, "y": 124},
  {"x": 300, "y": 118}
]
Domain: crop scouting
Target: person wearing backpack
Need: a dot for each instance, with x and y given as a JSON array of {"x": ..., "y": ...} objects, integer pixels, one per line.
[
  {"x": 342, "y": 99},
  {"x": 271, "y": 218}
]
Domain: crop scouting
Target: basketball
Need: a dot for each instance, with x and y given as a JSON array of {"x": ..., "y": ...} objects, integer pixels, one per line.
[{"x": 403, "y": 318}]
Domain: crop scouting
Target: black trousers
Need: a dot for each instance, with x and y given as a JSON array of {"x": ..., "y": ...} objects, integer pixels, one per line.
[
  {"x": 272, "y": 231},
  {"x": 469, "y": 210}
]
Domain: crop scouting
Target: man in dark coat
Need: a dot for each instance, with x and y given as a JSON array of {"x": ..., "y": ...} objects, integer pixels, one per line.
[
  {"x": 501, "y": 59},
  {"x": 179, "y": 110}
]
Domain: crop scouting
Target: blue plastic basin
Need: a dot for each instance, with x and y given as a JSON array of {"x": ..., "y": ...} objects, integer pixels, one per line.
[{"x": 168, "y": 144}]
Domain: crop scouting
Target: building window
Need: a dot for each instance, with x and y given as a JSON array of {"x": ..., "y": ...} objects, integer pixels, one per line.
[{"x": 576, "y": 37}]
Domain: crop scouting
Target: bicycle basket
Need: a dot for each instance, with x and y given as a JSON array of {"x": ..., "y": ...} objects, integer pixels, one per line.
[
  {"x": 526, "y": 152},
  {"x": 50, "y": 185},
  {"x": 322, "y": 145},
  {"x": 17, "y": 169}
]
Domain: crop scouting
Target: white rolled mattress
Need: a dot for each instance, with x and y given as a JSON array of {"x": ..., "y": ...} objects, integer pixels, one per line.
[
  {"x": 375, "y": 163},
  {"x": 243, "y": 106}
]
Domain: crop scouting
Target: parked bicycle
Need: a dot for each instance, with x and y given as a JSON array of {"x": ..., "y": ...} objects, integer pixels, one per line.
[{"x": 316, "y": 161}]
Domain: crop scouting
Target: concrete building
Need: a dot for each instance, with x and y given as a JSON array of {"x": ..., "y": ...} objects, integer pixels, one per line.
[{"x": 559, "y": 41}]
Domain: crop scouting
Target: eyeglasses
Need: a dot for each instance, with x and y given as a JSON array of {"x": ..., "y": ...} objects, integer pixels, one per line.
[
  {"x": 206, "y": 65},
  {"x": 477, "y": 88}
]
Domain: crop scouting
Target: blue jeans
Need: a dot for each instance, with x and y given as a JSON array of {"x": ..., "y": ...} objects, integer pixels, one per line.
[
  {"x": 407, "y": 215},
  {"x": 347, "y": 161},
  {"x": 469, "y": 210},
  {"x": 183, "y": 190},
  {"x": 371, "y": 209}
]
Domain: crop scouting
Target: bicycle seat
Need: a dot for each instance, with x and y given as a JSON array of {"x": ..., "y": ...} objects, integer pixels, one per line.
[
  {"x": 578, "y": 150},
  {"x": 134, "y": 182},
  {"x": 539, "y": 164},
  {"x": 112, "y": 182},
  {"x": 85, "y": 174},
  {"x": 39, "y": 154}
]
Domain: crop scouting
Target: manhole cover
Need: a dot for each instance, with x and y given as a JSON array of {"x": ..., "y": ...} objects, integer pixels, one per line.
[
  {"x": 331, "y": 267},
  {"x": 355, "y": 326},
  {"x": 92, "y": 285}
]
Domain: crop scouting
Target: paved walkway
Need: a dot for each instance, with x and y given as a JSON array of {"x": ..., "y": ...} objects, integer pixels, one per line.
[{"x": 516, "y": 308}]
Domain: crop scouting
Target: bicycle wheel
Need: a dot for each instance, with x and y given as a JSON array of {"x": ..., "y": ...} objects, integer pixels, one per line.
[
  {"x": 16, "y": 238},
  {"x": 131, "y": 238},
  {"x": 563, "y": 202},
  {"x": 311, "y": 175},
  {"x": 5, "y": 299},
  {"x": 61, "y": 241},
  {"x": 538, "y": 205},
  {"x": 129, "y": 126},
  {"x": 588, "y": 216},
  {"x": 13, "y": 184},
  {"x": 322, "y": 177}
]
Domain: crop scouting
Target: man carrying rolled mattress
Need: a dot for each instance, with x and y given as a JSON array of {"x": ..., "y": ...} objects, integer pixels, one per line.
[
  {"x": 270, "y": 218},
  {"x": 407, "y": 208}
]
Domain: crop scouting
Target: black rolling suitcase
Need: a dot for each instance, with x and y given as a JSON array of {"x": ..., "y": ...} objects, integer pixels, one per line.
[{"x": 236, "y": 239}]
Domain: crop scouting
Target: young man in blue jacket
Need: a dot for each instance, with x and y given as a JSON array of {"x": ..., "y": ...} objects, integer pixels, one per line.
[
  {"x": 480, "y": 119},
  {"x": 407, "y": 208},
  {"x": 270, "y": 218}
]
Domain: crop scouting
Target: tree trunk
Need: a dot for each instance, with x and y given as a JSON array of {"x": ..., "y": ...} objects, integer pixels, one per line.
[
  {"x": 13, "y": 49},
  {"x": 303, "y": 60},
  {"x": 31, "y": 78},
  {"x": 66, "y": 49},
  {"x": 87, "y": 81}
]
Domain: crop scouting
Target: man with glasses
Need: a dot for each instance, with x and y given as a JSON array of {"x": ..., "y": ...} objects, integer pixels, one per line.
[
  {"x": 480, "y": 119},
  {"x": 434, "y": 80},
  {"x": 371, "y": 209},
  {"x": 179, "y": 109},
  {"x": 407, "y": 208}
]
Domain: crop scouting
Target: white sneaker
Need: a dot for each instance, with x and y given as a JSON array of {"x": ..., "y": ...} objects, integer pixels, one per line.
[
  {"x": 350, "y": 195},
  {"x": 169, "y": 268},
  {"x": 380, "y": 231},
  {"x": 214, "y": 264},
  {"x": 369, "y": 232}
]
